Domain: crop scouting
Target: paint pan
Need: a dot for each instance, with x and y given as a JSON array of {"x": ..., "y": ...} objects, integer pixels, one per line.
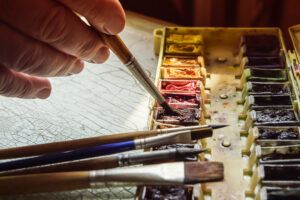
[
  {"x": 279, "y": 133},
  {"x": 183, "y": 100},
  {"x": 261, "y": 63},
  {"x": 272, "y": 136},
  {"x": 267, "y": 101},
  {"x": 191, "y": 116},
  {"x": 181, "y": 86},
  {"x": 271, "y": 117},
  {"x": 279, "y": 193},
  {"x": 265, "y": 88},
  {"x": 289, "y": 154},
  {"x": 184, "y": 49},
  {"x": 260, "y": 45},
  {"x": 286, "y": 172},
  {"x": 278, "y": 155},
  {"x": 262, "y": 75},
  {"x": 265, "y": 62},
  {"x": 184, "y": 38},
  {"x": 275, "y": 175},
  {"x": 182, "y": 73},
  {"x": 169, "y": 192},
  {"x": 183, "y": 61}
]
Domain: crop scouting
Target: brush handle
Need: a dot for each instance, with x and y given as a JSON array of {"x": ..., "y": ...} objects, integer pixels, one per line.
[
  {"x": 115, "y": 43},
  {"x": 81, "y": 165},
  {"x": 83, "y": 153},
  {"x": 39, "y": 149},
  {"x": 37, "y": 183}
]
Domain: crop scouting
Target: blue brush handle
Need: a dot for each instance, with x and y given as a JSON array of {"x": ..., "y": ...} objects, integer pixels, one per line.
[{"x": 82, "y": 153}]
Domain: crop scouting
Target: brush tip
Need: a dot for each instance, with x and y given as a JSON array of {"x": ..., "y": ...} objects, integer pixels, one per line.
[
  {"x": 217, "y": 126},
  {"x": 198, "y": 172}
]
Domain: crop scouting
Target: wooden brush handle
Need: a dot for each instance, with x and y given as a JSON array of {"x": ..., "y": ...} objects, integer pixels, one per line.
[
  {"x": 40, "y": 149},
  {"x": 38, "y": 183},
  {"x": 81, "y": 165},
  {"x": 115, "y": 43}
]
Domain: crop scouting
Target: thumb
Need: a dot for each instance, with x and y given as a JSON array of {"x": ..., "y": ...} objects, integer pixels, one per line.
[{"x": 17, "y": 84}]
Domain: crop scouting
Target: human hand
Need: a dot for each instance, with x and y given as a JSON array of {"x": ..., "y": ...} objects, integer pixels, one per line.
[{"x": 44, "y": 38}]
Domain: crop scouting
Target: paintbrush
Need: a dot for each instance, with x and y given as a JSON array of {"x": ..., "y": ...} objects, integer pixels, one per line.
[
  {"x": 105, "y": 149},
  {"x": 115, "y": 43},
  {"x": 177, "y": 173},
  {"x": 111, "y": 161},
  {"x": 39, "y": 149}
]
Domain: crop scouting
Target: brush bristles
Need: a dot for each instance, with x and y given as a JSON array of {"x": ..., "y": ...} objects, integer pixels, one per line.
[{"x": 197, "y": 172}]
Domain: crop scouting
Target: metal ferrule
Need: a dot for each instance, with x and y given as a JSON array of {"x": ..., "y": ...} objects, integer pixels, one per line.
[
  {"x": 160, "y": 174},
  {"x": 171, "y": 138},
  {"x": 138, "y": 158},
  {"x": 135, "y": 68}
]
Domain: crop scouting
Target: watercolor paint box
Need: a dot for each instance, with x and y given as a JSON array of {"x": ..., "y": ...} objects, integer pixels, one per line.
[
  {"x": 258, "y": 60},
  {"x": 265, "y": 88}
]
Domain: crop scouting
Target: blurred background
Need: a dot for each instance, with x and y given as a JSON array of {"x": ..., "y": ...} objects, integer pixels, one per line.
[{"x": 243, "y": 13}]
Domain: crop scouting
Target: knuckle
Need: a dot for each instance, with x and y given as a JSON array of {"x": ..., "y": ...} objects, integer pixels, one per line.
[
  {"x": 89, "y": 48},
  {"x": 108, "y": 8},
  {"x": 54, "y": 25},
  {"x": 6, "y": 81},
  {"x": 30, "y": 60}
]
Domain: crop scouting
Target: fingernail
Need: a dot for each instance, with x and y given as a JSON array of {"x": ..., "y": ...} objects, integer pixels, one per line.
[
  {"x": 101, "y": 55},
  {"x": 78, "y": 67},
  {"x": 114, "y": 25},
  {"x": 44, "y": 93}
]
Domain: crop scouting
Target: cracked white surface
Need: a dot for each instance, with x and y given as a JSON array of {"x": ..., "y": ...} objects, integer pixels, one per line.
[{"x": 102, "y": 99}]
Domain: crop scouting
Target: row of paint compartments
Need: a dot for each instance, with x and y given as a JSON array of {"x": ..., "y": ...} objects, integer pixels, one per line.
[
  {"x": 256, "y": 103},
  {"x": 169, "y": 66},
  {"x": 194, "y": 192}
]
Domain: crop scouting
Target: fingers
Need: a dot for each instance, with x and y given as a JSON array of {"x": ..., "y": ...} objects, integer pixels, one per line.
[
  {"x": 30, "y": 56},
  {"x": 52, "y": 23},
  {"x": 15, "y": 84},
  {"x": 106, "y": 15}
]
